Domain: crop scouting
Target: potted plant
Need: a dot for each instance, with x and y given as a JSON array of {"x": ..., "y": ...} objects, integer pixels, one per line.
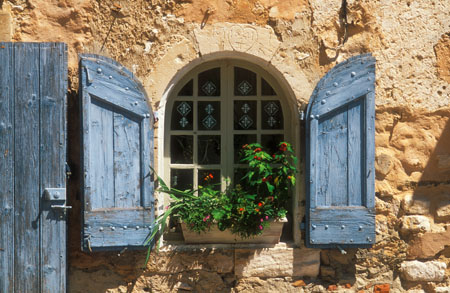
[{"x": 245, "y": 210}]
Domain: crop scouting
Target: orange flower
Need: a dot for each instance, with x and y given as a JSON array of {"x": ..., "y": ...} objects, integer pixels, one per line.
[
  {"x": 257, "y": 210},
  {"x": 245, "y": 146},
  {"x": 211, "y": 176}
]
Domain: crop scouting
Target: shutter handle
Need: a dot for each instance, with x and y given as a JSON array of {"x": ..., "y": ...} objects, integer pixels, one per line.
[
  {"x": 341, "y": 250},
  {"x": 64, "y": 207}
]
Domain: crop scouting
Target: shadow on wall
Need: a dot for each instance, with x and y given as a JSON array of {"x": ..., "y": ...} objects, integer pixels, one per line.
[{"x": 433, "y": 188}]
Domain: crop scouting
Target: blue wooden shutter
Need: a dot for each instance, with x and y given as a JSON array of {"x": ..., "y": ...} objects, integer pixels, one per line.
[
  {"x": 340, "y": 156},
  {"x": 33, "y": 87},
  {"x": 117, "y": 152}
]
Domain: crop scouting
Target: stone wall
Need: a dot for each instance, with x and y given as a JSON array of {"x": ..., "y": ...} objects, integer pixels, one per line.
[{"x": 298, "y": 42}]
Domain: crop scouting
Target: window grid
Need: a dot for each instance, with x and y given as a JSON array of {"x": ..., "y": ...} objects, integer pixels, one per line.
[{"x": 226, "y": 131}]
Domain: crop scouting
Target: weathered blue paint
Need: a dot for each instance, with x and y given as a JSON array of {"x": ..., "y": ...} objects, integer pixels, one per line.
[
  {"x": 6, "y": 167},
  {"x": 33, "y": 86},
  {"x": 117, "y": 152},
  {"x": 53, "y": 130},
  {"x": 340, "y": 156}
]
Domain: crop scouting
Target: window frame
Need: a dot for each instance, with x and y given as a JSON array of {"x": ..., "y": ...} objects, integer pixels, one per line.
[{"x": 288, "y": 103}]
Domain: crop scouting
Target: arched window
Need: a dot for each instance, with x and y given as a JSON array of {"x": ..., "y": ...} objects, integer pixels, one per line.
[{"x": 213, "y": 111}]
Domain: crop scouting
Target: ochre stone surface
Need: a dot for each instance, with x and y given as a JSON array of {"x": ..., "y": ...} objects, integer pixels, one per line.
[
  {"x": 298, "y": 42},
  {"x": 442, "y": 51},
  {"x": 282, "y": 262},
  {"x": 429, "y": 245},
  {"x": 6, "y": 26}
]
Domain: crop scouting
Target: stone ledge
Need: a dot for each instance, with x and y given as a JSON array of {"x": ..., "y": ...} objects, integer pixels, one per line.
[
  {"x": 245, "y": 260},
  {"x": 277, "y": 262}
]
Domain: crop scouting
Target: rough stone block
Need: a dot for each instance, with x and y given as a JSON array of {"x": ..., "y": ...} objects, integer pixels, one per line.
[
  {"x": 220, "y": 260},
  {"x": 277, "y": 262},
  {"x": 6, "y": 26},
  {"x": 443, "y": 210},
  {"x": 415, "y": 224},
  {"x": 442, "y": 289},
  {"x": 383, "y": 164},
  {"x": 431, "y": 271},
  {"x": 415, "y": 205},
  {"x": 326, "y": 271},
  {"x": 428, "y": 245}
]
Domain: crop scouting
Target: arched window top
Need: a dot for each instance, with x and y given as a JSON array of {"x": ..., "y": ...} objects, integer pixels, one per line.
[{"x": 214, "y": 110}]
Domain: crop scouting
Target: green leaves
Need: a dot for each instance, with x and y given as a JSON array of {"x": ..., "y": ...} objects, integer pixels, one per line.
[{"x": 261, "y": 194}]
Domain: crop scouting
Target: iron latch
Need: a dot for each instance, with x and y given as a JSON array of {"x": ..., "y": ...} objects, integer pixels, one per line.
[{"x": 55, "y": 194}]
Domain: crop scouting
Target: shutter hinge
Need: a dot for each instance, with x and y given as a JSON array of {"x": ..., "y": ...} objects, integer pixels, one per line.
[
  {"x": 301, "y": 115},
  {"x": 68, "y": 171},
  {"x": 88, "y": 75},
  {"x": 341, "y": 250}
]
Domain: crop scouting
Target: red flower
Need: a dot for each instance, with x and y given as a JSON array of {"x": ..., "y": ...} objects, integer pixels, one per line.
[
  {"x": 259, "y": 204},
  {"x": 254, "y": 157},
  {"x": 258, "y": 158},
  {"x": 257, "y": 150},
  {"x": 264, "y": 179},
  {"x": 211, "y": 176},
  {"x": 273, "y": 156},
  {"x": 289, "y": 177},
  {"x": 269, "y": 177},
  {"x": 283, "y": 147},
  {"x": 241, "y": 209}
]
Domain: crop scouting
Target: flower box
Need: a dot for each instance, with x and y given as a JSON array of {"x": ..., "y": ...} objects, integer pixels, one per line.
[{"x": 270, "y": 235}]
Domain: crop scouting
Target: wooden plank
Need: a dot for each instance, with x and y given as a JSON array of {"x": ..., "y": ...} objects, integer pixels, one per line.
[
  {"x": 6, "y": 168},
  {"x": 356, "y": 154},
  {"x": 53, "y": 88},
  {"x": 111, "y": 228},
  {"x": 119, "y": 98},
  {"x": 332, "y": 160},
  {"x": 369, "y": 136},
  {"x": 101, "y": 166},
  {"x": 147, "y": 160},
  {"x": 26, "y": 161},
  {"x": 312, "y": 170},
  {"x": 348, "y": 225},
  {"x": 127, "y": 165}
]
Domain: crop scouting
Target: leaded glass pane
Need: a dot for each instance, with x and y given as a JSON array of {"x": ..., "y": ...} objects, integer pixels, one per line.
[
  {"x": 211, "y": 177},
  {"x": 239, "y": 140},
  {"x": 181, "y": 179},
  {"x": 208, "y": 115},
  {"x": 182, "y": 115},
  {"x": 271, "y": 141},
  {"x": 181, "y": 147},
  {"x": 208, "y": 149},
  {"x": 266, "y": 89},
  {"x": 188, "y": 89},
  {"x": 272, "y": 115},
  {"x": 245, "y": 115},
  {"x": 209, "y": 83},
  {"x": 244, "y": 82}
]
